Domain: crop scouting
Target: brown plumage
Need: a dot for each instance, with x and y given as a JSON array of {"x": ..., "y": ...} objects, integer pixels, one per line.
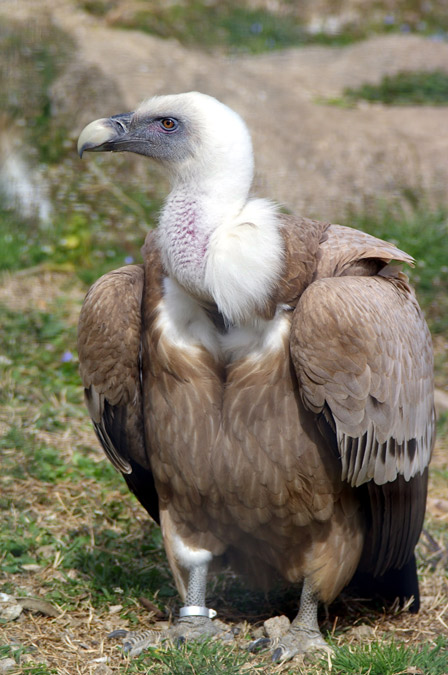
[{"x": 293, "y": 439}]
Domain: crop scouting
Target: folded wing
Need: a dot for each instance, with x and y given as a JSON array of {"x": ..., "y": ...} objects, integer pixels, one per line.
[
  {"x": 109, "y": 345},
  {"x": 363, "y": 357}
]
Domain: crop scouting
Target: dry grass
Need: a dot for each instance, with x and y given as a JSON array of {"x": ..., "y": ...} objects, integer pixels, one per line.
[{"x": 75, "y": 640}]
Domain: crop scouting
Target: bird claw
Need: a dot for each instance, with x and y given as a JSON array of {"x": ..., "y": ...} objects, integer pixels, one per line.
[
  {"x": 193, "y": 628},
  {"x": 299, "y": 641},
  {"x": 259, "y": 645},
  {"x": 119, "y": 633},
  {"x": 294, "y": 641},
  {"x": 135, "y": 642}
]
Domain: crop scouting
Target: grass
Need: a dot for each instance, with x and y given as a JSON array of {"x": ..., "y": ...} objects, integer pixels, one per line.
[
  {"x": 34, "y": 53},
  {"x": 70, "y": 532},
  {"x": 234, "y": 26},
  {"x": 405, "y": 88},
  {"x": 71, "y": 243},
  {"x": 228, "y": 25},
  {"x": 423, "y": 233},
  {"x": 394, "y": 658},
  {"x": 95, "y": 223},
  {"x": 208, "y": 657}
]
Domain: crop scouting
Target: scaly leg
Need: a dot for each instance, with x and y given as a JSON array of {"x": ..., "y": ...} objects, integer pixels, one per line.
[
  {"x": 195, "y": 621},
  {"x": 303, "y": 635},
  {"x": 195, "y": 618}
]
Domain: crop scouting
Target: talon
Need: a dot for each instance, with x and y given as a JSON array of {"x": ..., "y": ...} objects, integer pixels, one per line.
[
  {"x": 258, "y": 645},
  {"x": 277, "y": 654},
  {"x": 119, "y": 633}
]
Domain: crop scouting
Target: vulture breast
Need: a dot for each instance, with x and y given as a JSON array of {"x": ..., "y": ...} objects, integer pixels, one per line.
[{"x": 291, "y": 444}]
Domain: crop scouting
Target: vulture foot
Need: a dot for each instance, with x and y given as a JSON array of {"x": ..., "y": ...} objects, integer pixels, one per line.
[
  {"x": 134, "y": 642},
  {"x": 186, "y": 629},
  {"x": 303, "y": 636},
  {"x": 199, "y": 628},
  {"x": 298, "y": 640}
]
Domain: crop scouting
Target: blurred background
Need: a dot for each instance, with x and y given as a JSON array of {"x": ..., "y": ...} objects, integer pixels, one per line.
[{"x": 347, "y": 103}]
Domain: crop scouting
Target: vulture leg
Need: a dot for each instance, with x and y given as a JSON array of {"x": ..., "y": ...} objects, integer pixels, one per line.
[
  {"x": 195, "y": 618},
  {"x": 304, "y": 634},
  {"x": 195, "y": 621}
]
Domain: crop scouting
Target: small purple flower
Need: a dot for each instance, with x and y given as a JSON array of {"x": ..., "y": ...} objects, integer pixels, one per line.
[
  {"x": 66, "y": 357},
  {"x": 129, "y": 260},
  {"x": 389, "y": 20},
  {"x": 438, "y": 37},
  {"x": 256, "y": 28}
]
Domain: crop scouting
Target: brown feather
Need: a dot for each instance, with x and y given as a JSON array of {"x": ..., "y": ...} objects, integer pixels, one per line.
[
  {"x": 261, "y": 457},
  {"x": 109, "y": 338}
]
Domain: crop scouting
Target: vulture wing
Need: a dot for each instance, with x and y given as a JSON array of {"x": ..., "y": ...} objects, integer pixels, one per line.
[
  {"x": 363, "y": 357},
  {"x": 109, "y": 339}
]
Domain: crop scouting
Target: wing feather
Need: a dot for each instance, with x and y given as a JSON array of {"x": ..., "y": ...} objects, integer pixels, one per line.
[
  {"x": 361, "y": 346},
  {"x": 109, "y": 346},
  {"x": 363, "y": 357}
]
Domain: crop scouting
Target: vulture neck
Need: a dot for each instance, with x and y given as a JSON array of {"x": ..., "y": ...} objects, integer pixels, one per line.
[
  {"x": 198, "y": 205},
  {"x": 219, "y": 245}
]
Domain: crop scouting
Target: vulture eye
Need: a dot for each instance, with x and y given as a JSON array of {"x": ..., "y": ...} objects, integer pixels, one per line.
[{"x": 169, "y": 124}]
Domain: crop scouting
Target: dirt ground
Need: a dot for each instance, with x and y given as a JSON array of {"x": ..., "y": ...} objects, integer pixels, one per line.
[
  {"x": 75, "y": 641},
  {"x": 317, "y": 159}
]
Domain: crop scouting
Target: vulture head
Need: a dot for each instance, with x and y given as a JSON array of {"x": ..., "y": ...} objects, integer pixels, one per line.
[
  {"x": 263, "y": 382},
  {"x": 206, "y": 149},
  {"x": 193, "y": 136}
]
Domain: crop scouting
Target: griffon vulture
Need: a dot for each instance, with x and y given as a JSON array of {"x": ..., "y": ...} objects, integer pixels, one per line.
[{"x": 263, "y": 382}]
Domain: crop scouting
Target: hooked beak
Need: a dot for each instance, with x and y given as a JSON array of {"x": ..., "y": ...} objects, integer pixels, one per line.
[{"x": 108, "y": 134}]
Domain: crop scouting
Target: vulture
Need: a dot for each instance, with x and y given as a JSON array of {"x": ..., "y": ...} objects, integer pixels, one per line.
[{"x": 263, "y": 382}]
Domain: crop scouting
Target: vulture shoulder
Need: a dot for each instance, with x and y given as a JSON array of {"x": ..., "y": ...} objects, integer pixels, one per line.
[
  {"x": 363, "y": 357},
  {"x": 109, "y": 346}
]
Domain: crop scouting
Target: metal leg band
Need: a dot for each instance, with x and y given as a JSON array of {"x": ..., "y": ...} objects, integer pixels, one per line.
[{"x": 196, "y": 610}]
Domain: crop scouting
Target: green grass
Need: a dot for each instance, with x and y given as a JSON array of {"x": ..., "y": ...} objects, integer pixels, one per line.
[
  {"x": 71, "y": 242},
  {"x": 34, "y": 346},
  {"x": 34, "y": 53},
  {"x": 379, "y": 658},
  {"x": 87, "y": 235},
  {"x": 423, "y": 233},
  {"x": 89, "y": 231},
  {"x": 228, "y": 25},
  {"x": 26, "y": 668},
  {"x": 234, "y": 26},
  {"x": 211, "y": 658},
  {"x": 405, "y": 88}
]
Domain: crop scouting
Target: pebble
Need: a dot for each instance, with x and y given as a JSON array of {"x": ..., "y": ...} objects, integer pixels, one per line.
[
  {"x": 6, "y": 665},
  {"x": 362, "y": 632},
  {"x": 9, "y": 608},
  {"x": 102, "y": 669},
  {"x": 276, "y": 627},
  {"x": 114, "y": 609}
]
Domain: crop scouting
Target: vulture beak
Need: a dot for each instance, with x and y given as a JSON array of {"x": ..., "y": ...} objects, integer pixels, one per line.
[{"x": 108, "y": 134}]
